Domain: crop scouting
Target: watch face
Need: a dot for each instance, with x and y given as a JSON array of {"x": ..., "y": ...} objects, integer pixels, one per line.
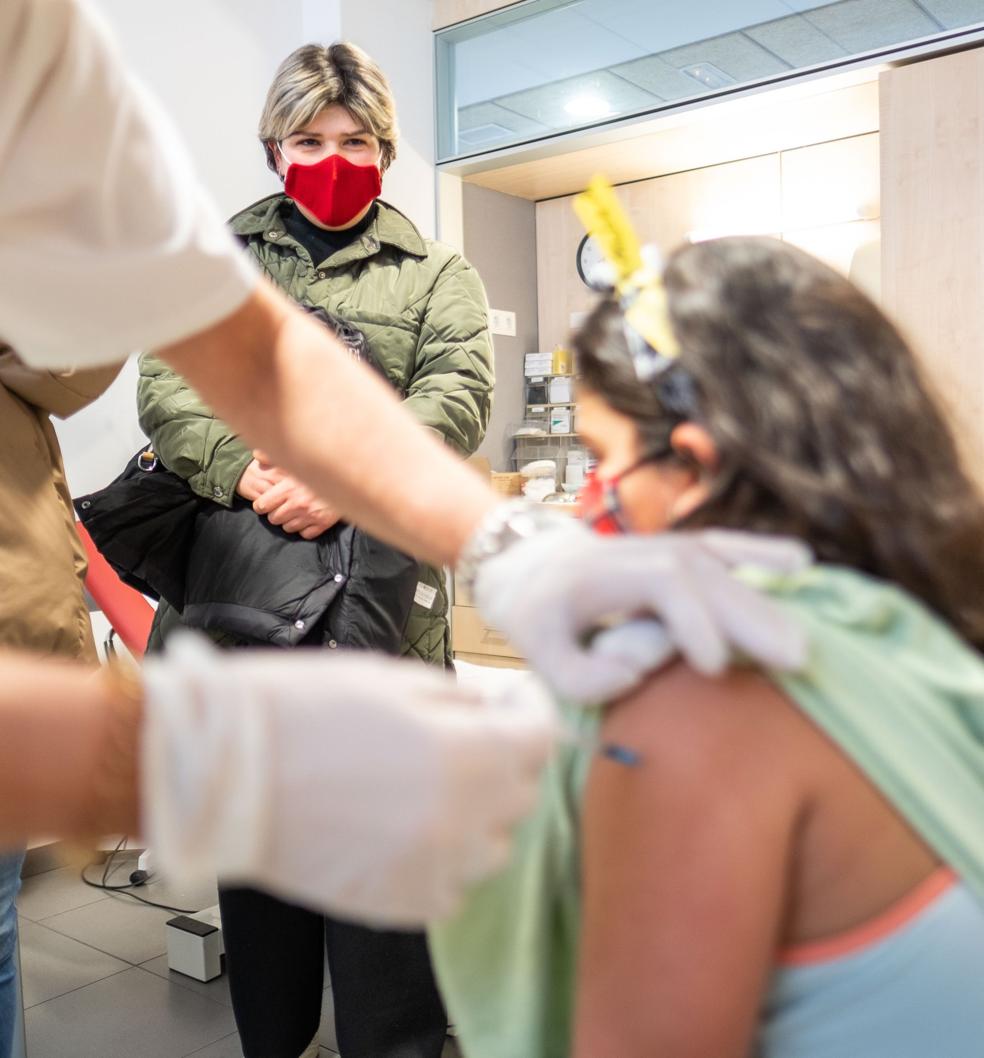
[{"x": 589, "y": 256}]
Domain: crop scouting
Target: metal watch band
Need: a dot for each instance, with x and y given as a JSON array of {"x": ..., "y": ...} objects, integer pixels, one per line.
[{"x": 503, "y": 526}]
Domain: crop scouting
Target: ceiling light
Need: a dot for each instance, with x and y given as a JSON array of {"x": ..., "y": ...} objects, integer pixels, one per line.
[
  {"x": 708, "y": 75},
  {"x": 587, "y": 107}
]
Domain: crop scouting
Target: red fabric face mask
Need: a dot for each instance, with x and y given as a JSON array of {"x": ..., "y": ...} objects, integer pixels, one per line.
[
  {"x": 601, "y": 509},
  {"x": 333, "y": 190}
]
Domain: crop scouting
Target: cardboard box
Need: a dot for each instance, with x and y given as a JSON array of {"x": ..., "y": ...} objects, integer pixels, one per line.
[
  {"x": 508, "y": 483},
  {"x": 492, "y": 661},
  {"x": 471, "y": 635},
  {"x": 462, "y": 596},
  {"x": 480, "y": 465},
  {"x": 572, "y": 510}
]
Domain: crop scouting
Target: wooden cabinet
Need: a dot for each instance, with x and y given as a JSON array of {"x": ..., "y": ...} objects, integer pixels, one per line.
[
  {"x": 823, "y": 197},
  {"x": 932, "y": 116}
]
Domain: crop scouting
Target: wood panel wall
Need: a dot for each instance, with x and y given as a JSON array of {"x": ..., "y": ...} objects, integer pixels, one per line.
[
  {"x": 824, "y": 197},
  {"x": 448, "y": 12},
  {"x": 781, "y": 119},
  {"x": 932, "y": 119}
]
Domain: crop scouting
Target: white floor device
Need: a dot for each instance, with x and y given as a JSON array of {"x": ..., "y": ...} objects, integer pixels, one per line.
[{"x": 194, "y": 944}]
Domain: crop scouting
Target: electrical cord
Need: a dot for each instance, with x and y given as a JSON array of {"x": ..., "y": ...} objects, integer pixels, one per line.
[{"x": 137, "y": 878}]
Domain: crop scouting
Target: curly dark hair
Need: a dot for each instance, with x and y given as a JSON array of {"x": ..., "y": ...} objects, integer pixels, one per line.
[{"x": 825, "y": 427}]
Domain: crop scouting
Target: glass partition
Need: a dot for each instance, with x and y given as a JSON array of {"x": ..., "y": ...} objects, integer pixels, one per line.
[{"x": 545, "y": 67}]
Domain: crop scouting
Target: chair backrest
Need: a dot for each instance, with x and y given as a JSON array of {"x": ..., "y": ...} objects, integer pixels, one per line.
[{"x": 125, "y": 608}]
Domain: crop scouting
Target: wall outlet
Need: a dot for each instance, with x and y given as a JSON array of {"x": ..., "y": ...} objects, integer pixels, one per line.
[{"x": 502, "y": 322}]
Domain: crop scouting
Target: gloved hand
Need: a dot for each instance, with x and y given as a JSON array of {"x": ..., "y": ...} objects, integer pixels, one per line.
[
  {"x": 371, "y": 788},
  {"x": 549, "y": 591}
]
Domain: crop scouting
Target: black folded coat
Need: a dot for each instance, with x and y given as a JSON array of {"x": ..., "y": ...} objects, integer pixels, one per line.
[{"x": 228, "y": 569}]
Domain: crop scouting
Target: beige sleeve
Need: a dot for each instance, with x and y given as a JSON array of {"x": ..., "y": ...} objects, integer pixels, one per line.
[
  {"x": 108, "y": 241},
  {"x": 62, "y": 393}
]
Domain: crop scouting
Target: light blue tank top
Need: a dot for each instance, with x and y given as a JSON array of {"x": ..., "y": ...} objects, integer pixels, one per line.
[{"x": 910, "y": 984}]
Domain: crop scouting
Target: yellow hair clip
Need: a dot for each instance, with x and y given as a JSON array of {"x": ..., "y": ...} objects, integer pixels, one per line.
[
  {"x": 601, "y": 213},
  {"x": 639, "y": 286}
]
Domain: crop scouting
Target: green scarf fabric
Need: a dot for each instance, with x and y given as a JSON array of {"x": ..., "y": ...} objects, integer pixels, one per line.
[{"x": 886, "y": 680}]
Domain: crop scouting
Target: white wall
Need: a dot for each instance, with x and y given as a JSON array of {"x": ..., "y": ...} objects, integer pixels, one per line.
[
  {"x": 500, "y": 241},
  {"x": 397, "y": 34},
  {"x": 210, "y": 62}
]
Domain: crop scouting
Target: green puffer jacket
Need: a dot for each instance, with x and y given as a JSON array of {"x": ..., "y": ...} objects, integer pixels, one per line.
[{"x": 423, "y": 310}]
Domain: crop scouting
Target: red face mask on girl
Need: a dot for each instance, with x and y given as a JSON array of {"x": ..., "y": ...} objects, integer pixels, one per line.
[
  {"x": 601, "y": 509},
  {"x": 333, "y": 190}
]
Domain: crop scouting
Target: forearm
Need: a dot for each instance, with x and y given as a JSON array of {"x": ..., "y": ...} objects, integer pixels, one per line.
[
  {"x": 67, "y": 760},
  {"x": 334, "y": 425}
]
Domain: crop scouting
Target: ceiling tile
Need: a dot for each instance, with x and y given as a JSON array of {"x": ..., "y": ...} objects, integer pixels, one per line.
[
  {"x": 734, "y": 54},
  {"x": 486, "y": 126},
  {"x": 547, "y": 103},
  {"x": 659, "y": 78},
  {"x": 658, "y": 25},
  {"x": 484, "y": 136},
  {"x": 954, "y": 13},
  {"x": 490, "y": 114},
  {"x": 863, "y": 25},
  {"x": 807, "y": 5},
  {"x": 796, "y": 41},
  {"x": 535, "y": 51}
]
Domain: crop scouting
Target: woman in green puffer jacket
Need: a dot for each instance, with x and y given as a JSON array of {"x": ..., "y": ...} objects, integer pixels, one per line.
[{"x": 329, "y": 132}]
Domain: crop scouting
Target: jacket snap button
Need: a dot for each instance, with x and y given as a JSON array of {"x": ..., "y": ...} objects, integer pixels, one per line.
[
  {"x": 86, "y": 504},
  {"x": 217, "y": 491},
  {"x": 339, "y": 578},
  {"x": 299, "y": 625},
  {"x": 273, "y": 234},
  {"x": 332, "y": 644},
  {"x": 322, "y": 275}
]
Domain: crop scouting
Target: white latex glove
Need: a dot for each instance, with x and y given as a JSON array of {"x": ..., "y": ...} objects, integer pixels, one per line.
[
  {"x": 360, "y": 785},
  {"x": 548, "y": 592}
]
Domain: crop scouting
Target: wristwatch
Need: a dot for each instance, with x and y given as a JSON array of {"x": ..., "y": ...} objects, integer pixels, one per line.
[{"x": 502, "y": 527}]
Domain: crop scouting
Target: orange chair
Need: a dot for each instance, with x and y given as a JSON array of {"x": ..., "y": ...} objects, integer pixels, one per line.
[{"x": 128, "y": 612}]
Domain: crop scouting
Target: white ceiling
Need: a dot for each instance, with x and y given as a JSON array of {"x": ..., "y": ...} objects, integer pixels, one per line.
[
  {"x": 588, "y": 35},
  {"x": 514, "y": 81}
]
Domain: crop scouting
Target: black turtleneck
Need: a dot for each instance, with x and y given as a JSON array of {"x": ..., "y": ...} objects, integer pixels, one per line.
[{"x": 318, "y": 242}]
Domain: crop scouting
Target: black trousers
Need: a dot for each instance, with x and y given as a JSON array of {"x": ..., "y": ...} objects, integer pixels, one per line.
[{"x": 386, "y": 1000}]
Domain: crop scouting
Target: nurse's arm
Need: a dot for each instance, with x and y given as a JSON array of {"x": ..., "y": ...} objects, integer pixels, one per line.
[
  {"x": 68, "y": 752},
  {"x": 290, "y": 388}
]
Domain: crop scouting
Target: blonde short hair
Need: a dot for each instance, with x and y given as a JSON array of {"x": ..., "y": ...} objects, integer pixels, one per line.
[{"x": 317, "y": 76}]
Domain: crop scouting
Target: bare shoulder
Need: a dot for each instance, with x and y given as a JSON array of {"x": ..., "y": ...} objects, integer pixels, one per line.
[
  {"x": 685, "y": 860},
  {"x": 722, "y": 728}
]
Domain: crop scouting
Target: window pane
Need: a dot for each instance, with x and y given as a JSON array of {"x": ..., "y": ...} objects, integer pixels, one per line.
[{"x": 549, "y": 66}]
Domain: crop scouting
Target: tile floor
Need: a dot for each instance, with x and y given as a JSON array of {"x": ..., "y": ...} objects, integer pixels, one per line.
[{"x": 96, "y": 982}]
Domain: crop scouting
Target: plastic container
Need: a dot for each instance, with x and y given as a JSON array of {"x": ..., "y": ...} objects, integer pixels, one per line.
[{"x": 562, "y": 361}]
